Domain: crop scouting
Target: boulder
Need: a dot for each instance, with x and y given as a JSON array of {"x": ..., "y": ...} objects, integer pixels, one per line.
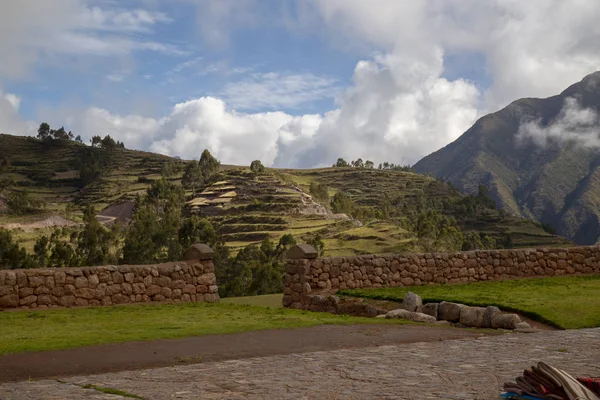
[
  {"x": 523, "y": 325},
  {"x": 472, "y": 316},
  {"x": 412, "y": 302},
  {"x": 431, "y": 309},
  {"x": 449, "y": 311},
  {"x": 490, "y": 312},
  {"x": 420, "y": 317},
  {"x": 505, "y": 321},
  {"x": 397, "y": 313},
  {"x": 442, "y": 323},
  {"x": 411, "y": 316}
]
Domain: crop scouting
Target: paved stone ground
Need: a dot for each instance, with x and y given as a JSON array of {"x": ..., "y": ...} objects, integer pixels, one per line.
[{"x": 454, "y": 369}]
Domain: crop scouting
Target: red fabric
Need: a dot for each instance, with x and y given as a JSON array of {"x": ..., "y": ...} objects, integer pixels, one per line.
[{"x": 592, "y": 384}]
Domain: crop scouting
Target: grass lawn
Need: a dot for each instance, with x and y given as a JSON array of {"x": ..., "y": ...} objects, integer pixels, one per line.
[
  {"x": 60, "y": 329},
  {"x": 565, "y": 302},
  {"x": 267, "y": 300}
]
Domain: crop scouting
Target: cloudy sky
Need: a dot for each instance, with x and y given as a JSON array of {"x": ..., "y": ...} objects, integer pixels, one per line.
[{"x": 295, "y": 83}]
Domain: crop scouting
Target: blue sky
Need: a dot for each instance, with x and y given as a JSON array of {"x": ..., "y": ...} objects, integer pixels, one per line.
[{"x": 293, "y": 83}]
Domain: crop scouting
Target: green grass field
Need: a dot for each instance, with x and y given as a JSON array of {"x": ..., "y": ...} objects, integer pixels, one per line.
[
  {"x": 67, "y": 328},
  {"x": 564, "y": 302},
  {"x": 267, "y": 300}
]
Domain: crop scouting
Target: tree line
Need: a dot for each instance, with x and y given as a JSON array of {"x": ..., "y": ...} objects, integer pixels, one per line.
[
  {"x": 368, "y": 164},
  {"x": 47, "y": 134}
]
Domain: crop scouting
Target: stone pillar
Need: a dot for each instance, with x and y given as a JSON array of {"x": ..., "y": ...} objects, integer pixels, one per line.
[
  {"x": 199, "y": 256},
  {"x": 296, "y": 287},
  {"x": 198, "y": 251}
]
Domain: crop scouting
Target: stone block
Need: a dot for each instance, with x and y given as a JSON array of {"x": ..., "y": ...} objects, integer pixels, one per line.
[
  {"x": 412, "y": 301},
  {"x": 490, "y": 313},
  {"x": 449, "y": 311},
  {"x": 9, "y": 301},
  {"x": 26, "y": 301},
  {"x": 302, "y": 251},
  {"x": 35, "y": 281},
  {"x": 505, "y": 321},
  {"x": 472, "y": 316},
  {"x": 198, "y": 251},
  {"x": 4, "y": 290},
  {"x": 431, "y": 309},
  {"x": 155, "y": 289}
]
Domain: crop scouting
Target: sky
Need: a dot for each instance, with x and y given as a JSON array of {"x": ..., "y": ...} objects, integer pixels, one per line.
[{"x": 293, "y": 83}]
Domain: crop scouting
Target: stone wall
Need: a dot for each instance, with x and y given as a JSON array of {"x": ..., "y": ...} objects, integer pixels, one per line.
[
  {"x": 308, "y": 277},
  {"x": 190, "y": 280}
]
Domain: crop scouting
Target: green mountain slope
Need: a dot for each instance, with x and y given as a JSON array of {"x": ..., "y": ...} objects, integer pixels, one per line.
[
  {"x": 556, "y": 183},
  {"x": 246, "y": 207}
]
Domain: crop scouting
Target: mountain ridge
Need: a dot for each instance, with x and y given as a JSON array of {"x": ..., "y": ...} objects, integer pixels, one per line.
[{"x": 554, "y": 182}]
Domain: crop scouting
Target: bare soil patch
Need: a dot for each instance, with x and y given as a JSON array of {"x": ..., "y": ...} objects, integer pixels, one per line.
[
  {"x": 194, "y": 350},
  {"x": 54, "y": 220}
]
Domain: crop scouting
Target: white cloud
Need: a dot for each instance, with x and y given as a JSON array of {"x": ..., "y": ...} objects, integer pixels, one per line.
[
  {"x": 390, "y": 114},
  {"x": 574, "y": 124},
  {"x": 385, "y": 115},
  {"x": 399, "y": 107},
  {"x": 31, "y": 29},
  {"x": 193, "y": 126},
  {"x": 274, "y": 90},
  {"x": 10, "y": 120}
]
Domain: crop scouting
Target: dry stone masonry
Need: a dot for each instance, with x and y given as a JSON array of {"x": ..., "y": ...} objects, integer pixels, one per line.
[
  {"x": 310, "y": 280},
  {"x": 190, "y": 280}
]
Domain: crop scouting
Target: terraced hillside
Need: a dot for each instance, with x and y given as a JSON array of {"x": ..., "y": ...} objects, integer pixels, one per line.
[
  {"x": 379, "y": 189},
  {"x": 245, "y": 206},
  {"x": 52, "y": 171}
]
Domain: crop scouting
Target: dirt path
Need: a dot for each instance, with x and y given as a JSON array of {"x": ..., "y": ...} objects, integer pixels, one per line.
[
  {"x": 163, "y": 353},
  {"x": 464, "y": 369}
]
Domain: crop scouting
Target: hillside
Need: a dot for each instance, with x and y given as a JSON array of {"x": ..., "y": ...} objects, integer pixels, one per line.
[
  {"x": 245, "y": 207},
  {"x": 538, "y": 157}
]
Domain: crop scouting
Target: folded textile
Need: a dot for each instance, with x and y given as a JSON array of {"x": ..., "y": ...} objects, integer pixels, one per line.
[
  {"x": 548, "y": 383},
  {"x": 592, "y": 384}
]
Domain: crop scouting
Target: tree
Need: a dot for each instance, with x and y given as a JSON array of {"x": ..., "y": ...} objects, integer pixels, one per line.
[
  {"x": 153, "y": 235},
  {"x": 3, "y": 163},
  {"x": 198, "y": 230},
  {"x": 340, "y": 163},
  {"x": 40, "y": 249},
  {"x": 12, "y": 256},
  {"x": 342, "y": 203},
  {"x": 319, "y": 191},
  {"x": 96, "y": 141},
  {"x": 94, "y": 241},
  {"x": 44, "y": 131},
  {"x": 257, "y": 167},
  {"x": 78, "y": 139},
  {"x": 192, "y": 176},
  {"x": 62, "y": 253},
  {"x": 22, "y": 203},
  {"x": 317, "y": 242},
  {"x": 208, "y": 165},
  {"x": 358, "y": 163},
  {"x": 369, "y": 164},
  {"x": 109, "y": 143},
  {"x": 60, "y": 134}
]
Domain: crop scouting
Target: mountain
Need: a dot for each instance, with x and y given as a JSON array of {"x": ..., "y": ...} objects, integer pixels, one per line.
[
  {"x": 538, "y": 157},
  {"x": 247, "y": 207}
]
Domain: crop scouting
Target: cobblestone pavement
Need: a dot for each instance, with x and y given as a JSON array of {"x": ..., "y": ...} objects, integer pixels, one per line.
[{"x": 453, "y": 369}]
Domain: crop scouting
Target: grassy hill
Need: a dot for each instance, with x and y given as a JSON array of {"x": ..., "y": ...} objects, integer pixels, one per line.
[
  {"x": 245, "y": 206},
  {"x": 556, "y": 183}
]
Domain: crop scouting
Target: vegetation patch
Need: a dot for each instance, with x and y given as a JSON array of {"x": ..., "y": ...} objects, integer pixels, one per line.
[
  {"x": 564, "y": 302},
  {"x": 68, "y": 328}
]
